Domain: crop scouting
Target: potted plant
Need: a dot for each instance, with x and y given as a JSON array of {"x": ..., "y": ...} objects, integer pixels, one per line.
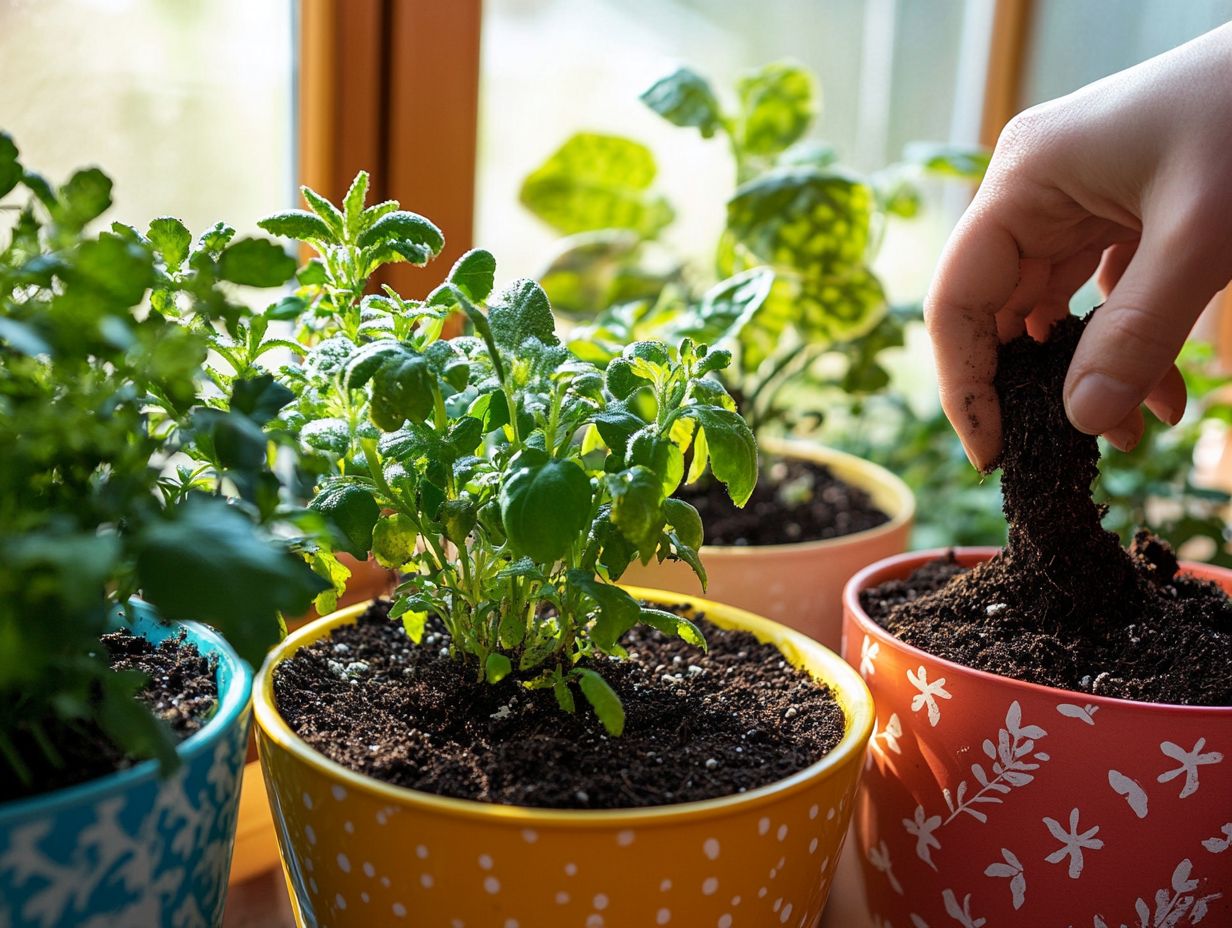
[
  {"x": 525, "y": 736},
  {"x": 122, "y": 723},
  {"x": 1054, "y": 732},
  {"x": 797, "y": 301}
]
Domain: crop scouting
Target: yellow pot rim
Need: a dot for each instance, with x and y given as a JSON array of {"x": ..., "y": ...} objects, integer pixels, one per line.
[
  {"x": 848, "y": 687},
  {"x": 887, "y": 489}
]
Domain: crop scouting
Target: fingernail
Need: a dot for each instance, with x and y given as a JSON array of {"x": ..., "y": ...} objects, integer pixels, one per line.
[
  {"x": 1123, "y": 439},
  {"x": 1170, "y": 414},
  {"x": 1097, "y": 403}
]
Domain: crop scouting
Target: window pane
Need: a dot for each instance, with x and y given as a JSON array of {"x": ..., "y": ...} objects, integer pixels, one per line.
[
  {"x": 188, "y": 106},
  {"x": 888, "y": 70},
  {"x": 1076, "y": 43}
]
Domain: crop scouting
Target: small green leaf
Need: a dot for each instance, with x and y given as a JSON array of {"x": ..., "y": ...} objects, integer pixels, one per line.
[
  {"x": 394, "y": 538},
  {"x": 545, "y": 508},
  {"x": 298, "y": 224},
  {"x": 414, "y": 623},
  {"x": 331, "y": 435},
  {"x": 402, "y": 226},
  {"x": 960, "y": 161},
  {"x": 171, "y": 239},
  {"x": 594, "y": 182},
  {"x": 672, "y": 624},
  {"x": 352, "y": 512},
  {"x": 519, "y": 312},
  {"x": 457, "y": 518},
  {"x": 402, "y": 389},
  {"x": 617, "y": 610},
  {"x": 259, "y": 398},
  {"x": 564, "y": 698},
  {"x": 685, "y": 98},
  {"x": 603, "y": 700},
  {"x": 326, "y": 210},
  {"x": 353, "y": 203},
  {"x": 10, "y": 168},
  {"x": 637, "y": 503},
  {"x": 474, "y": 274},
  {"x": 685, "y": 520},
  {"x": 256, "y": 262},
  {"x": 85, "y": 196},
  {"x": 732, "y": 449},
  {"x": 777, "y": 105},
  {"x": 497, "y": 667}
]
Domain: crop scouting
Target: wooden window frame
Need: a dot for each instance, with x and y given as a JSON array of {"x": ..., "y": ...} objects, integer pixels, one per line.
[{"x": 392, "y": 87}]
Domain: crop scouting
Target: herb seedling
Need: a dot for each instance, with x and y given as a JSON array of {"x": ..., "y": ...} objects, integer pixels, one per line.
[
  {"x": 117, "y": 474},
  {"x": 511, "y": 481},
  {"x": 794, "y": 259}
]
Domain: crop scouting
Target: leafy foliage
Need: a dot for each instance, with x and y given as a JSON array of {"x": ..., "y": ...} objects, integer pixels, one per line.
[
  {"x": 808, "y": 223},
  {"x": 119, "y": 478},
  {"x": 510, "y": 479}
]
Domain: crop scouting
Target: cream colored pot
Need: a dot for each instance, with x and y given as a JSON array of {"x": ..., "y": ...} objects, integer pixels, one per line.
[{"x": 799, "y": 585}]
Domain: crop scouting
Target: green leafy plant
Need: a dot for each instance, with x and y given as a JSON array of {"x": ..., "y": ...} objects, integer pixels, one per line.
[
  {"x": 793, "y": 261},
  {"x": 119, "y": 477},
  {"x": 511, "y": 480}
]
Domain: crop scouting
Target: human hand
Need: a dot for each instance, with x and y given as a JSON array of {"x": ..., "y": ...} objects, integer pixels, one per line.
[{"x": 1131, "y": 175}]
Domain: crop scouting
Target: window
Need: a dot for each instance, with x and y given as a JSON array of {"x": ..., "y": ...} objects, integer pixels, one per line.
[{"x": 188, "y": 106}]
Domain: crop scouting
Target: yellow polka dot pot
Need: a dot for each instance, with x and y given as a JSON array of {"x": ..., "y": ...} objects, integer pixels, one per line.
[{"x": 359, "y": 852}]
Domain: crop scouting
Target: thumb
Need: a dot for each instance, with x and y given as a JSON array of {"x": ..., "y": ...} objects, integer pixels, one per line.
[{"x": 1131, "y": 341}]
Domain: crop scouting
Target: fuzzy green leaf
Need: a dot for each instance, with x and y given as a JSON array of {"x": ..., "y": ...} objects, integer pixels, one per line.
[
  {"x": 298, "y": 224},
  {"x": 256, "y": 262},
  {"x": 519, "y": 312},
  {"x": 394, "y": 538},
  {"x": 352, "y": 512},
  {"x": 329, "y": 213},
  {"x": 171, "y": 239},
  {"x": 402, "y": 389},
  {"x": 474, "y": 274},
  {"x": 402, "y": 226},
  {"x": 353, "y": 204},
  {"x": 545, "y": 508}
]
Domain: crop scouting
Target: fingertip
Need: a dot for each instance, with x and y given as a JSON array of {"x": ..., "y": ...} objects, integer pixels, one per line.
[
  {"x": 1128, "y": 433},
  {"x": 1098, "y": 403}
]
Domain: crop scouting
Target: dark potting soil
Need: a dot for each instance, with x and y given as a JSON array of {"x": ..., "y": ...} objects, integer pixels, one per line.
[
  {"x": 1064, "y": 604},
  {"x": 182, "y": 691},
  {"x": 794, "y": 501},
  {"x": 697, "y": 725}
]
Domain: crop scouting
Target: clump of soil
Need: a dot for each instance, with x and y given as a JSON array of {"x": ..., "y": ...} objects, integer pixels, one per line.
[
  {"x": 794, "y": 501},
  {"x": 1064, "y": 604},
  {"x": 697, "y": 725},
  {"x": 182, "y": 691}
]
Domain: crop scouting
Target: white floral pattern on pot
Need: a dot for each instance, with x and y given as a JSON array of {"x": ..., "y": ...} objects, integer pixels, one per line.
[{"x": 991, "y": 803}]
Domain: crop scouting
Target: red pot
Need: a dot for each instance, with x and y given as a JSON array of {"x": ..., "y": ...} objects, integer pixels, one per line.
[{"x": 993, "y": 803}]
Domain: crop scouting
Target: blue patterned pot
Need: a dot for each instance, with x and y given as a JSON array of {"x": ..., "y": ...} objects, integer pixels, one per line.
[{"x": 131, "y": 850}]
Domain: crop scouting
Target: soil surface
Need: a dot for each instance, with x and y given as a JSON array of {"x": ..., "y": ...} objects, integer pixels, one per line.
[
  {"x": 794, "y": 501},
  {"x": 1064, "y": 604},
  {"x": 182, "y": 691},
  {"x": 697, "y": 725}
]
